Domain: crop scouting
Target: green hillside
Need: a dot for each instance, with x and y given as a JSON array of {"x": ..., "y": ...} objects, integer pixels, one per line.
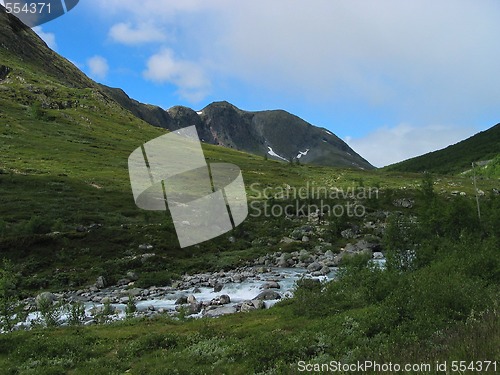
[
  {"x": 67, "y": 217},
  {"x": 456, "y": 158}
]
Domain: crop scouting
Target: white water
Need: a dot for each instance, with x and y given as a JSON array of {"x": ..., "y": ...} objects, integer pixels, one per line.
[{"x": 246, "y": 290}]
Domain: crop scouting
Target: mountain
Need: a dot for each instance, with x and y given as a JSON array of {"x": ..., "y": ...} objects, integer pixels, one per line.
[
  {"x": 456, "y": 158},
  {"x": 277, "y": 133}
]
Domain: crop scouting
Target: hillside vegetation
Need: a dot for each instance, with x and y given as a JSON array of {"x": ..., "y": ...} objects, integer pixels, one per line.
[
  {"x": 67, "y": 216},
  {"x": 456, "y": 158}
]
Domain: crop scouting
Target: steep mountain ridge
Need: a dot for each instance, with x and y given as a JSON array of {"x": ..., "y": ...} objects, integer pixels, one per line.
[{"x": 276, "y": 133}]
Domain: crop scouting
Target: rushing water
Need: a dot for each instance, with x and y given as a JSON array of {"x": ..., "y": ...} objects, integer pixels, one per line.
[{"x": 238, "y": 292}]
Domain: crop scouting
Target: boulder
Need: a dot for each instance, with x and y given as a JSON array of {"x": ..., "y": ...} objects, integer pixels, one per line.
[
  {"x": 258, "y": 304},
  {"x": 182, "y": 300},
  {"x": 225, "y": 310},
  {"x": 267, "y": 295},
  {"x": 271, "y": 285},
  {"x": 314, "y": 267},
  {"x": 189, "y": 309},
  {"x": 101, "y": 282},
  {"x": 247, "y": 306},
  {"x": 218, "y": 287},
  {"x": 325, "y": 270},
  {"x": 329, "y": 254}
]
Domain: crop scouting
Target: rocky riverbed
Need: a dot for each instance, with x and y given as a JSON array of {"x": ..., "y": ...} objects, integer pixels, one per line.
[{"x": 258, "y": 285}]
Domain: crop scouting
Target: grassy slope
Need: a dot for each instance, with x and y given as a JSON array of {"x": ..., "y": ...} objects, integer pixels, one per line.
[
  {"x": 455, "y": 158},
  {"x": 62, "y": 168}
]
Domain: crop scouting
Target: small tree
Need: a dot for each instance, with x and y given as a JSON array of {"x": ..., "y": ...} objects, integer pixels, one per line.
[
  {"x": 76, "y": 313},
  {"x": 131, "y": 306},
  {"x": 50, "y": 312}
]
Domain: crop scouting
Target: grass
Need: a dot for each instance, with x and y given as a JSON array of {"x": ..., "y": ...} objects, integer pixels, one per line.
[{"x": 64, "y": 168}]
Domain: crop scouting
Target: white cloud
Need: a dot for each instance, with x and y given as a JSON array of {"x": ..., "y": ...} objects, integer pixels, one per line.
[
  {"x": 426, "y": 61},
  {"x": 48, "y": 38},
  {"x": 98, "y": 66},
  {"x": 144, "y": 33},
  {"x": 388, "y": 145},
  {"x": 189, "y": 77}
]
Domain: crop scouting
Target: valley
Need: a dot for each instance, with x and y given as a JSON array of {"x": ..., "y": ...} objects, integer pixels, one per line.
[{"x": 337, "y": 260}]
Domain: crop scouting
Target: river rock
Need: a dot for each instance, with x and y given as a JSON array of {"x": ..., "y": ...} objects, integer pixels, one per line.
[
  {"x": 105, "y": 300},
  {"x": 378, "y": 255},
  {"x": 218, "y": 287},
  {"x": 267, "y": 295},
  {"x": 258, "y": 304},
  {"x": 247, "y": 306},
  {"x": 271, "y": 285},
  {"x": 225, "y": 310},
  {"x": 221, "y": 300},
  {"x": 191, "y": 299},
  {"x": 101, "y": 282},
  {"x": 329, "y": 254},
  {"x": 182, "y": 300},
  {"x": 314, "y": 267},
  {"x": 189, "y": 309},
  {"x": 134, "y": 292}
]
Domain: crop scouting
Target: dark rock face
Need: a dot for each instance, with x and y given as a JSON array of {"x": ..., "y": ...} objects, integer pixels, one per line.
[
  {"x": 4, "y": 72},
  {"x": 223, "y": 124}
]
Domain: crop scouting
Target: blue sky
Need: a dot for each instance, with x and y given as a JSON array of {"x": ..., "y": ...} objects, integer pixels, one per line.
[{"x": 395, "y": 79}]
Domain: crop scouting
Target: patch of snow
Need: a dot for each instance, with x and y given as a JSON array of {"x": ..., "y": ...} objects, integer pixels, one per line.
[
  {"x": 327, "y": 132},
  {"x": 302, "y": 153},
  {"x": 272, "y": 153},
  {"x": 200, "y": 112}
]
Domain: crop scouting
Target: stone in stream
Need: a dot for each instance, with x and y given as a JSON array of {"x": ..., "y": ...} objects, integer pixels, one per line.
[
  {"x": 314, "y": 267},
  {"x": 267, "y": 295},
  {"x": 181, "y": 300},
  {"x": 221, "y": 300},
  {"x": 218, "y": 287},
  {"x": 271, "y": 285},
  {"x": 189, "y": 309}
]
